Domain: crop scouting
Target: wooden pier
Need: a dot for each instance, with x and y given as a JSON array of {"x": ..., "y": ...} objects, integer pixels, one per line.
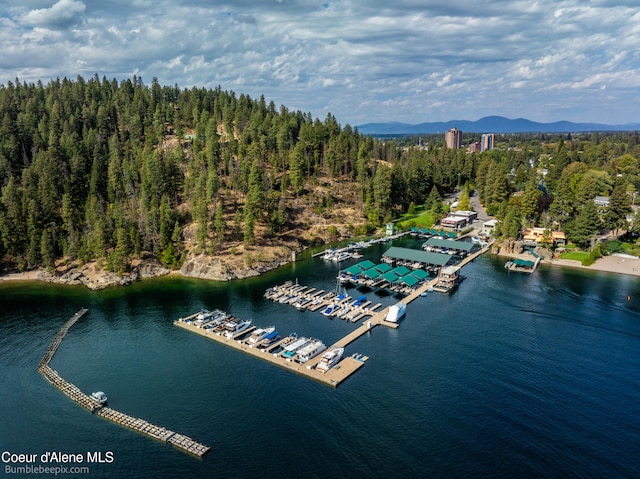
[
  {"x": 345, "y": 368},
  {"x": 179, "y": 441}
]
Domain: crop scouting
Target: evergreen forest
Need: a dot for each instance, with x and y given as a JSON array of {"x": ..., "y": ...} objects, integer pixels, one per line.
[{"x": 107, "y": 170}]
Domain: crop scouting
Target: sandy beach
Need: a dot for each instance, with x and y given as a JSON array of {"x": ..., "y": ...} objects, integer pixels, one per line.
[
  {"x": 609, "y": 264},
  {"x": 24, "y": 276}
]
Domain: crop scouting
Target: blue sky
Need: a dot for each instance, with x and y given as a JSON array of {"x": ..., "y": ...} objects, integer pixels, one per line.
[{"x": 362, "y": 60}]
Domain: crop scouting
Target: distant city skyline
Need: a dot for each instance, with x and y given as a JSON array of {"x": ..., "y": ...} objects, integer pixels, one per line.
[{"x": 366, "y": 61}]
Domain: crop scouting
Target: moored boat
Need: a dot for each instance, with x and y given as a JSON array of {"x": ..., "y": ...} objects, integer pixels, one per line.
[
  {"x": 269, "y": 340},
  {"x": 310, "y": 350},
  {"x": 292, "y": 349},
  {"x": 301, "y": 304},
  {"x": 329, "y": 359},
  {"x": 396, "y": 312},
  {"x": 235, "y": 327},
  {"x": 259, "y": 334},
  {"x": 100, "y": 397},
  {"x": 359, "y": 301},
  {"x": 342, "y": 312},
  {"x": 331, "y": 309},
  {"x": 342, "y": 256}
]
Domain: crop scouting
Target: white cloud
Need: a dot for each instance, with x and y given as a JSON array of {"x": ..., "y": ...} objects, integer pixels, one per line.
[
  {"x": 60, "y": 15},
  {"x": 363, "y": 61}
]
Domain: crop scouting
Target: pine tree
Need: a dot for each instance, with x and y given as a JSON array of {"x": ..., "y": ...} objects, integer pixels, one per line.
[
  {"x": 615, "y": 216},
  {"x": 587, "y": 225},
  {"x": 434, "y": 202}
]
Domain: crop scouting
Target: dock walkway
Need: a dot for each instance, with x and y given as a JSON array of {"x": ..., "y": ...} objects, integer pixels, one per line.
[
  {"x": 333, "y": 377},
  {"x": 74, "y": 393}
]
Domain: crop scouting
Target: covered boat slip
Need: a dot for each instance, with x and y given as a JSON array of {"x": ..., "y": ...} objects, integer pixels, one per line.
[
  {"x": 459, "y": 248},
  {"x": 522, "y": 265},
  {"x": 384, "y": 275},
  {"x": 430, "y": 232},
  {"x": 416, "y": 259}
]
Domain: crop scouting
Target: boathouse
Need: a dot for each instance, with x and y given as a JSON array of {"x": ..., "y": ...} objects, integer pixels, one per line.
[
  {"x": 459, "y": 248},
  {"x": 448, "y": 279},
  {"x": 415, "y": 259}
]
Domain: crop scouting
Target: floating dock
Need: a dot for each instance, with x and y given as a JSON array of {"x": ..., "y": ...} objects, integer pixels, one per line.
[
  {"x": 179, "y": 441},
  {"x": 334, "y": 376}
]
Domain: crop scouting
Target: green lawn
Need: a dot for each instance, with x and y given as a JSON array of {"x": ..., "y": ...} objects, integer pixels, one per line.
[
  {"x": 575, "y": 255},
  {"x": 422, "y": 220}
]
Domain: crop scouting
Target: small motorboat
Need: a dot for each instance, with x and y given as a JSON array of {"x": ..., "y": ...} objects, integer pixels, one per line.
[{"x": 100, "y": 397}]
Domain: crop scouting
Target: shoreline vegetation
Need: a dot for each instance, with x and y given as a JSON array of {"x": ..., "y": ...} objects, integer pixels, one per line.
[{"x": 93, "y": 278}]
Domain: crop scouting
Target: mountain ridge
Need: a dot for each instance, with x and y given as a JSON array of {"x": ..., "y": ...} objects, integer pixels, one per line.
[{"x": 490, "y": 124}]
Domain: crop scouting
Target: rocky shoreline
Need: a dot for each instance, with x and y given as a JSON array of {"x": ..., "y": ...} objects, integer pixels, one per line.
[
  {"x": 228, "y": 267},
  {"x": 215, "y": 268}
]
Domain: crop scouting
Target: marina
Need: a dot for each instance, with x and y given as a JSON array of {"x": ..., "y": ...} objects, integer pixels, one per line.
[
  {"x": 333, "y": 304},
  {"x": 96, "y": 402}
]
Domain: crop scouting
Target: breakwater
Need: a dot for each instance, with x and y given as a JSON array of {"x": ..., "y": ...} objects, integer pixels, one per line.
[{"x": 74, "y": 393}]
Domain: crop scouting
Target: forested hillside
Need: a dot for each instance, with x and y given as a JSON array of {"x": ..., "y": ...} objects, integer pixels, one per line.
[
  {"x": 96, "y": 169},
  {"x": 113, "y": 171}
]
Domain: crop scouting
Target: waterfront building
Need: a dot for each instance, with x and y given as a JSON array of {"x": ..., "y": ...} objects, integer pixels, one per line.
[
  {"x": 536, "y": 236},
  {"x": 453, "y": 221}
]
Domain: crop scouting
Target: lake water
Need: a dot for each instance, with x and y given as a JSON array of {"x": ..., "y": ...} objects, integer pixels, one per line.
[{"x": 512, "y": 375}]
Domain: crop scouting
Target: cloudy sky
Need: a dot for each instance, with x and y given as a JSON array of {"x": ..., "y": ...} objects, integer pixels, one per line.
[{"x": 362, "y": 60}]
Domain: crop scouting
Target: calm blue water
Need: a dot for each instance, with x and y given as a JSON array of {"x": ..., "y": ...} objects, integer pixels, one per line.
[{"x": 511, "y": 376}]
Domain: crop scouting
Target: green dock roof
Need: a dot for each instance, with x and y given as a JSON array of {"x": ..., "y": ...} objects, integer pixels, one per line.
[
  {"x": 409, "y": 280},
  {"x": 417, "y": 256},
  {"x": 401, "y": 270},
  {"x": 391, "y": 277},
  {"x": 383, "y": 267},
  {"x": 444, "y": 243},
  {"x": 371, "y": 273},
  {"x": 523, "y": 263},
  {"x": 353, "y": 270},
  {"x": 366, "y": 264},
  {"x": 420, "y": 274}
]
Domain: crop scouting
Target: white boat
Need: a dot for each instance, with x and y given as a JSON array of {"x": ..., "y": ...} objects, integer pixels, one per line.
[
  {"x": 329, "y": 310},
  {"x": 259, "y": 334},
  {"x": 301, "y": 304},
  {"x": 329, "y": 359},
  {"x": 342, "y": 256},
  {"x": 235, "y": 327},
  {"x": 309, "y": 351},
  {"x": 343, "y": 312},
  {"x": 328, "y": 254},
  {"x": 100, "y": 397},
  {"x": 269, "y": 340},
  {"x": 291, "y": 349},
  {"x": 207, "y": 317},
  {"x": 396, "y": 312}
]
